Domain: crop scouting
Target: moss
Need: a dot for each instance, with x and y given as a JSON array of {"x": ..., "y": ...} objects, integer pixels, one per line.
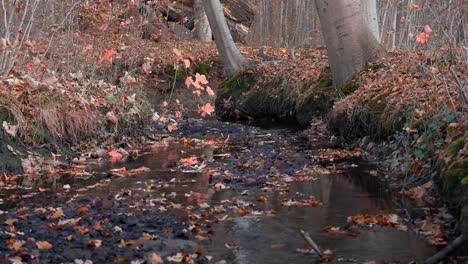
[
  {"x": 348, "y": 88},
  {"x": 202, "y": 68},
  {"x": 455, "y": 147},
  {"x": 317, "y": 100},
  {"x": 459, "y": 170},
  {"x": 275, "y": 100},
  {"x": 230, "y": 92}
]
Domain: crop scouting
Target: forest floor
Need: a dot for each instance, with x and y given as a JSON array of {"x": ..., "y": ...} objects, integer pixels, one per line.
[{"x": 106, "y": 158}]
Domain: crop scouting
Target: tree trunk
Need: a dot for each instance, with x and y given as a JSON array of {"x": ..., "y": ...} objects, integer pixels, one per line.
[
  {"x": 230, "y": 55},
  {"x": 369, "y": 9},
  {"x": 349, "y": 38},
  {"x": 202, "y": 26}
]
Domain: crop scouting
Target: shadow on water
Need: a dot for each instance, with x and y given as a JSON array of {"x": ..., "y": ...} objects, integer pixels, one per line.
[{"x": 251, "y": 238}]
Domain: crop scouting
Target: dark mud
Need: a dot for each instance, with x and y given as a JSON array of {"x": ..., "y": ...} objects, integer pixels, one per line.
[{"x": 237, "y": 203}]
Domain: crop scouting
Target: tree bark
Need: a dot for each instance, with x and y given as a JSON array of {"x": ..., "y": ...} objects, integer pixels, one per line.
[
  {"x": 348, "y": 36},
  {"x": 230, "y": 55},
  {"x": 202, "y": 26}
]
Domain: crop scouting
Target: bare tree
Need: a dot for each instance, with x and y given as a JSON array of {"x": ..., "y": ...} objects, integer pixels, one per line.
[
  {"x": 202, "y": 26},
  {"x": 349, "y": 35},
  {"x": 230, "y": 55}
]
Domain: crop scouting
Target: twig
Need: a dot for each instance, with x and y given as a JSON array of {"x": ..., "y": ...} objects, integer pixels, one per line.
[
  {"x": 446, "y": 250},
  {"x": 309, "y": 240}
]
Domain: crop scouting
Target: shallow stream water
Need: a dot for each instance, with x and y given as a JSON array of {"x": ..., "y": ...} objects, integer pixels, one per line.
[{"x": 271, "y": 238}]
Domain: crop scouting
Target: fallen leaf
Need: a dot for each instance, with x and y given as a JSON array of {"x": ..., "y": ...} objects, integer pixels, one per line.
[
  {"x": 95, "y": 243},
  {"x": 107, "y": 56},
  {"x": 114, "y": 155},
  {"x": 110, "y": 116},
  {"x": 43, "y": 245},
  {"x": 57, "y": 214},
  {"x": 207, "y": 109},
  {"x": 154, "y": 259}
]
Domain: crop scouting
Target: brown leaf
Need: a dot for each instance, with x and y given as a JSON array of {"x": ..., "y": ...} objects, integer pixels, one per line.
[
  {"x": 44, "y": 245},
  {"x": 57, "y": 214}
]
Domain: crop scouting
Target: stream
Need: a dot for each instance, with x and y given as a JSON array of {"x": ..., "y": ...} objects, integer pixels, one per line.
[{"x": 244, "y": 201}]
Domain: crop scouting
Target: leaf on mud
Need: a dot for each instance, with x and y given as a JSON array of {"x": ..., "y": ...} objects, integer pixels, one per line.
[
  {"x": 242, "y": 211},
  {"x": 172, "y": 128},
  {"x": 188, "y": 161},
  {"x": 44, "y": 245},
  {"x": 110, "y": 116},
  {"x": 201, "y": 238},
  {"x": 80, "y": 261},
  {"x": 262, "y": 199},
  {"x": 15, "y": 245},
  {"x": 176, "y": 258},
  {"x": 10, "y": 221},
  {"x": 40, "y": 210},
  {"x": 168, "y": 230},
  {"x": 147, "y": 236},
  {"x": 95, "y": 243},
  {"x": 154, "y": 259},
  {"x": 83, "y": 209},
  {"x": 114, "y": 155},
  {"x": 138, "y": 170},
  {"x": 57, "y": 214}
]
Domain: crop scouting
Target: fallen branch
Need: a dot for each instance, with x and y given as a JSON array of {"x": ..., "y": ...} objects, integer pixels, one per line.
[
  {"x": 446, "y": 250},
  {"x": 311, "y": 242}
]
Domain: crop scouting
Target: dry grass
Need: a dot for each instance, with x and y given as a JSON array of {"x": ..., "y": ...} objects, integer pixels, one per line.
[{"x": 79, "y": 123}]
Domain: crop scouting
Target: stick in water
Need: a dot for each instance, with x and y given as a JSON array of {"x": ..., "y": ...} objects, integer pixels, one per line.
[{"x": 309, "y": 240}]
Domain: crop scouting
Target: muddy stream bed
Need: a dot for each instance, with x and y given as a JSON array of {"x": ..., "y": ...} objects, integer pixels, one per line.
[{"x": 244, "y": 200}]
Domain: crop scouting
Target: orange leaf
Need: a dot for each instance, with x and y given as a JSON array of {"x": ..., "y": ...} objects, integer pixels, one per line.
[
  {"x": 57, "y": 214},
  {"x": 114, "y": 155},
  {"x": 187, "y": 63},
  {"x": 188, "y": 81},
  {"x": 421, "y": 38},
  {"x": 200, "y": 78},
  {"x": 43, "y": 245},
  {"x": 107, "y": 56},
  {"x": 171, "y": 128},
  {"x": 189, "y": 161},
  {"x": 207, "y": 109}
]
